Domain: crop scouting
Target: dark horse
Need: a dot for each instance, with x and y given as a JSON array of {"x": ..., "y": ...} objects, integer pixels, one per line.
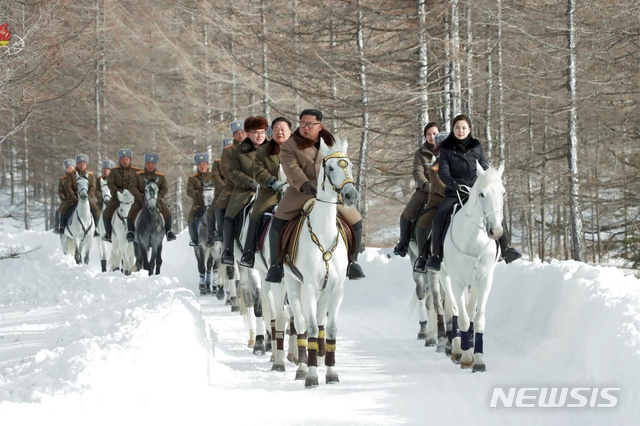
[
  {"x": 149, "y": 231},
  {"x": 208, "y": 257}
]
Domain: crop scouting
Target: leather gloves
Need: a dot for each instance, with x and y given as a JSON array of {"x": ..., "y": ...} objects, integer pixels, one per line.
[{"x": 309, "y": 189}]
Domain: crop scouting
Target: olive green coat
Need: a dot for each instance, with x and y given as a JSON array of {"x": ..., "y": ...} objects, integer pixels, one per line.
[
  {"x": 241, "y": 162},
  {"x": 195, "y": 188},
  {"x": 266, "y": 169},
  {"x": 223, "y": 199}
]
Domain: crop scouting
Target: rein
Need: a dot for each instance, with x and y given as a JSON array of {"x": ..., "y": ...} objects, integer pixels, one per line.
[
  {"x": 85, "y": 230},
  {"x": 326, "y": 254}
]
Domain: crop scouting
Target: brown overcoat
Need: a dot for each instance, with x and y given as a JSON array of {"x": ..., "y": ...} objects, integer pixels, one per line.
[
  {"x": 241, "y": 162},
  {"x": 223, "y": 199},
  {"x": 137, "y": 190},
  {"x": 195, "y": 188},
  {"x": 265, "y": 169},
  {"x": 301, "y": 162}
]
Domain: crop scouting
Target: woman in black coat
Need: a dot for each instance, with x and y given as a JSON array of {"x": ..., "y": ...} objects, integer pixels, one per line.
[{"x": 458, "y": 155}]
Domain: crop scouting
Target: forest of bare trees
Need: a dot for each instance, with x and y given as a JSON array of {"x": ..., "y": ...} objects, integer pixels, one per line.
[{"x": 552, "y": 89}]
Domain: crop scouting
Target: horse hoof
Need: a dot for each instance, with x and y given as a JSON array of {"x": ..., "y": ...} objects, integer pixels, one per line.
[
  {"x": 220, "y": 293},
  {"x": 479, "y": 368},
  {"x": 127, "y": 272},
  {"x": 440, "y": 349},
  {"x": 332, "y": 378},
  {"x": 292, "y": 358},
  {"x": 311, "y": 382},
  {"x": 466, "y": 365},
  {"x": 235, "y": 309},
  {"x": 422, "y": 336},
  {"x": 430, "y": 342},
  {"x": 258, "y": 349},
  {"x": 447, "y": 351},
  {"x": 277, "y": 367},
  {"x": 302, "y": 375},
  {"x": 273, "y": 358},
  {"x": 455, "y": 358}
]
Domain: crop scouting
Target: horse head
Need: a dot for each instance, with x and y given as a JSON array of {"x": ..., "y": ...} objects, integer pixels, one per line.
[
  {"x": 208, "y": 193},
  {"x": 488, "y": 192},
  {"x": 106, "y": 192},
  {"x": 126, "y": 200},
  {"x": 337, "y": 171},
  {"x": 83, "y": 187},
  {"x": 151, "y": 195}
]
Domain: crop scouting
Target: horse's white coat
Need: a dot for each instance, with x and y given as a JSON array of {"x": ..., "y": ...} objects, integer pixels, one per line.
[
  {"x": 104, "y": 247},
  {"x": 121, "y": 249},
  {"x": 79, "y": 230}
]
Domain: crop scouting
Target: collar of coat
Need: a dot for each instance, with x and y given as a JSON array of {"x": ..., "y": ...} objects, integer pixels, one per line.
[
  {"x": 304, "y": 143},
  {"x": 273, "y": 148},
  {"x": 246, "y": 146},
  {"x": 426, "y": 148},
  {"x": 453, "y": 144}
]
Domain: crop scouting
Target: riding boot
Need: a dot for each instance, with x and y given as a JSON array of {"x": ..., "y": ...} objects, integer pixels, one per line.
[
  {"x": 249, "y": 255},
  {"x": 276, "y": 272},
  {"x": 228, "y": 231},
  {"x": 509, "y": 254},
  {"x": 420, "y": 264},
  {"x": 107, "y": 229},
  {"x": 219, "y": 235},
  {"x": 354, "y": 271},
  {"x": 436, "y": 247},
  {"x": 211, "y": 230},
  {"x": 167, "y": 229},
  {"x": 193, "y": 234},
  {"x": 58, "y": 224},
  {"x": 130, "y": 229},
  {"x": 405, "y": 237},
  {"x": 95, "y": 224}
]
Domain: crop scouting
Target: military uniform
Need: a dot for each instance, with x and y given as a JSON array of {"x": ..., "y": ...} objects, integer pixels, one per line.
[
  {"x": 219, "y": 182},
  {"x": 68, "y": 199},
  {"x": 99, "y": 196},
  {"x": 120, "y": 178},
  {"x": 137, "y": 189},
  {"x": 195, "y": 188},
  {"x": 72, "y": 187}
]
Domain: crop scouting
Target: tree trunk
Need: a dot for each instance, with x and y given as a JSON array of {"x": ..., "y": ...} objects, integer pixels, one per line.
[
  {"x": 500, "y": 89},
  {"x": 469, "y": 62},
  {"x": 265, "y": 71},
  {"x": 455, "y": 60},
  {"x": 362, "y": 172},
  {"x": 489, "y": 101},
  {"x": 423, "y": 96}
]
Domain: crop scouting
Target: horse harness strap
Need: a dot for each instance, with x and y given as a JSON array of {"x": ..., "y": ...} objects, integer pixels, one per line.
[
  {"x": 84, "y": 230},
  {"x": 343, "y": 164},
  {"x": 327, "y": 254}
]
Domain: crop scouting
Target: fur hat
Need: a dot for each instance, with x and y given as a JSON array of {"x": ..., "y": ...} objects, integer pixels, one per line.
[
  {"x": 124, "y": 153},
  {"x": 108, "y": 164},
  {"x": 201, "y": 158},
  {"x": 236, "y": 125},
  {"x": 68, "y": 162},
  {"x": 227, "y": 142},
  {"x": 151, "y": 157},
  {"x": 255, "y": 123},
  {"x": 82, "y": 158},
  {"x": 440, "y": 137}
]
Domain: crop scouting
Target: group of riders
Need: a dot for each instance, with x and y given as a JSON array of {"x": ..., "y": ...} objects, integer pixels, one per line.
[{"x": 442, "y": 166}]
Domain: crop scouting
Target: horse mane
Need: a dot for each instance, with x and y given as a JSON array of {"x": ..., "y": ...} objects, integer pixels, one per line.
[{"x": 491, "y": 176}]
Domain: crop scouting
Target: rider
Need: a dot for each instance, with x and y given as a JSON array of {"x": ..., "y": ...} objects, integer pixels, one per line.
[
  {"x": 120, "y": 178},
  {"x": 458, "y": 155},
  {"x": 71, "y": 184},
  {"x": 67, "y": 198},
  {"x": 423, "y": 158},
  {"x": 137, "y": 189},
  {"x": 300, "y": 160},
  {"x": 219, "y": 181},
  {"x": 237, "y": 130},
  {"x": 266, "y": 171},
  {"x": 436, "y": 195},
  {"x": 195, "y": 187},
  {"x": 241, "y": 161},
  {"x": 107, "y": 165}
]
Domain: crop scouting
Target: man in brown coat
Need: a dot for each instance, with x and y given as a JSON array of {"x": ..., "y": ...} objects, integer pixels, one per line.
[
  {"x": 237, "y": 130},
  {"x": 266, "y": 171},
  {"x": 120, "y": 178},
  {"x": 107, "y": 165},
  {"x": 66, "y": 197},
  {"x": 301, "y": 162},
  {"x": 241, "y": 162},
  {"x": 71, "y": 187},
  {"x": 195, "y": 189},
  {"x": 219, "y": 183},
  {"x": 137, "y": 189}
]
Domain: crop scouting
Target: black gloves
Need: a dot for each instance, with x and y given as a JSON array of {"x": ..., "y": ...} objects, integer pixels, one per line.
[
  {"x": 454, "y": 186},
  {"x": 309, "y": 189}
]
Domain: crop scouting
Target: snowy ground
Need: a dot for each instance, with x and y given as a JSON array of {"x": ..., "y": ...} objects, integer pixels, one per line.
[{"x": 81, "y": 347}]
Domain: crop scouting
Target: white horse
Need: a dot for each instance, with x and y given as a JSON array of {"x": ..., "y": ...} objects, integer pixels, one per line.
[
  {"x": 315, "y": 284},
  {"x": 208, "y": 257},
  {"x": 251, "y": 293},
  {"x": 103, "y": 246},
  {"x": 431, "y": 306},
  {"x": 79, "y": 230},
  {"x": 470, "y": 257},
  {"x": 121, "y": 249}
]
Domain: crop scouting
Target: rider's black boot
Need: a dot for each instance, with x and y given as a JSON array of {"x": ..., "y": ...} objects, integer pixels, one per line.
[
  {"x": 436, "y": 247},
  {"x": 405, "y": 237},
  {"x": 275, "y": 273},
  {"x": 249, "y": 256},
  {"x": 171, "y": 236},
  {"x": 95, "y": 224},
  {"x": 211, "y": 230},
  {"x": 219, "y": 213},
  {"x": 107, "y": 229},
  {"x": 509, "y": 254},
  {"x": 58, "y": 229},
  {"x": 130, "y": 229},
  {"x": 420, "y": 264},
  {"x": 193, "y": 234},
  {"x": 354, "y": 271},
  {"x": 227, "y": 231}
]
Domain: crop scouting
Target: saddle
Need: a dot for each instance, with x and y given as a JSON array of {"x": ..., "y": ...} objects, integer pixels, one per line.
[
  {"x": 290, "y": 235},
  {"x": 265, "y": 220}
]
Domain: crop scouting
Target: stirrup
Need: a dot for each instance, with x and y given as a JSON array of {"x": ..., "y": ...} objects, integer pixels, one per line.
[
  {"x": 354, "y": 271},
  {"x": 227, "y": 257},
  {"x": 420, "y": 266},
  {"x": 193, "y": 243},
  {"x": 511, "y": 255},
  {"x": 275, "y": 273},
  {"x": 171, "y": 235},
  {"x": 106, "y": 237},
  {"x": 401, "y": 249},
  {"x": 433, "y": 263},
  {"x": 248, "y": 259}
]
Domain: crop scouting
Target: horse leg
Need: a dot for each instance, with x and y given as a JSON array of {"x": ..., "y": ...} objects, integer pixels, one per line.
[
  {"x": 300, "y": 327},
  {"x": 201, "y": 271},
  {"x": 430, "y": 331},
  {"x": 292, "y": 353},
  {"x": 466, "y": 360},
  {"x": 78, "y": 253},
  {"x": 158, "y": 258},
  {"x": 451, "y": 304},
  {"x": 480, "y": 322},
  {"x": 332, "y": 332},
  {"x": 422, "y": 308},
  {"x": 438, "y": 304}
]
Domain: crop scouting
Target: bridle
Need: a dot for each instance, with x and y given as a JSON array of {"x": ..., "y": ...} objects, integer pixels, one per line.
[{"x": 343, "y": 162}]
